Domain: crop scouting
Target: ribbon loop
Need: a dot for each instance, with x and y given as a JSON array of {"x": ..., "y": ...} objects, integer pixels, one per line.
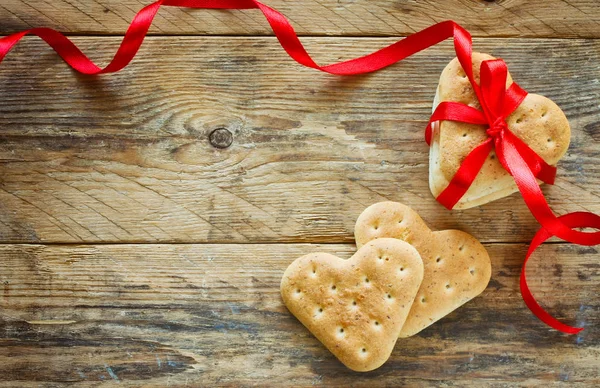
[{"x": 573, "y": 220}]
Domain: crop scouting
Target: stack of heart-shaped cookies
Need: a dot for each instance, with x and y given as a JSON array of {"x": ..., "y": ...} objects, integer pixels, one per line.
[
  {"x": 537, "y": 121},
  {"x": 403, "y": 278}
]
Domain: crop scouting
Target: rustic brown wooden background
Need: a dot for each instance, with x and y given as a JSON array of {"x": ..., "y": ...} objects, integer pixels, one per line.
[{"x": 133, "y": 251}]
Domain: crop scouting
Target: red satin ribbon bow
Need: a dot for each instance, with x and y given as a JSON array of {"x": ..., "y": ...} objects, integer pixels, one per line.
[
  {"x": 497, "y": 104},
  {"x": 496, "y": 101}
]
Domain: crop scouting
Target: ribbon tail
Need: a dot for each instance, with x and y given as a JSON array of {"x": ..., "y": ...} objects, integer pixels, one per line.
[
  {"x": 75, "y": 58},
  {"x": 8, "y": 42},
  {"x": 464, "y": 177},
  {"x": 283, "y": 30},
  {"x": 572, "y": 220},
  {"x": 514, "y": 163},
  {"x": 404, "y": 48},
  {"x": 542, "y": 170}
]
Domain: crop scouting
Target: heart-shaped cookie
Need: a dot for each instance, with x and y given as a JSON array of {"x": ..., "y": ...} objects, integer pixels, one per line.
[
  {"x": 538, "y": 121},
  {"x": 457, "y": 266},
  {"x": 355, "y": 307}
]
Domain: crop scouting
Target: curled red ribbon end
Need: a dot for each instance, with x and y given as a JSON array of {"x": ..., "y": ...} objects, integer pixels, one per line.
[
  {"x": 519, "y": 160},
  {"x": 496, "y": 101},
  {"x": 573, "y": 220}
]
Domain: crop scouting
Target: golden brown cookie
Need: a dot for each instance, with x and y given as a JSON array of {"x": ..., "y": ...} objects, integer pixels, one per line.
[
  {"x": 355, "y": 307},
  {"x": 538, "y": 121},
  {"x": 457, "y": 266}
]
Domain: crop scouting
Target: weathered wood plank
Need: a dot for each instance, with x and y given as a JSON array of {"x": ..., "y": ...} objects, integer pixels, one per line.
[
  {"x": 126, "y": 157},
  {"x": 212, "y": 314},
  {"x": 525, "y": 18}
]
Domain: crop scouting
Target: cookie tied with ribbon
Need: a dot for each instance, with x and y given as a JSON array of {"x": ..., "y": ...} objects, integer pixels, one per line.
[
  {"x": 501, "y": 125},
  {"x": 537, "y": 121},
  {"x": 475, "y": 102}
]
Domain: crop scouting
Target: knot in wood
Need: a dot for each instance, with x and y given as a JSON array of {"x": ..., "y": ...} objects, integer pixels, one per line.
[{"x": 220, "y": 138}]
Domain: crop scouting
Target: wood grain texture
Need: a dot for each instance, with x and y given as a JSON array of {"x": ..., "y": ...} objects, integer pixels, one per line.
[
  {"x": 524, "y": 18},
  {"x": 126, "y": 158},
  {"x": 158, "y": 315},
  {"x": 136, "y": 250}
]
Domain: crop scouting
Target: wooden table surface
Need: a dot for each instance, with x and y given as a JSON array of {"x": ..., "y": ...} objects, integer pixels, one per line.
[{"x": 134, "y": 251}]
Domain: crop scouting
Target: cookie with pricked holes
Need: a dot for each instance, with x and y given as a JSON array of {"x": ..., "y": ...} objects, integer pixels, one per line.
[
  {"x": 457, "y": 267},
  {"x": 538, "y": 121},
  {"x": 355, "y": 307}
]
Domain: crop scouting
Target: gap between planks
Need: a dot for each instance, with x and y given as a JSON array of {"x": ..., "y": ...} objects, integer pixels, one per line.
[
  {"x": 320, "y": 36},
  {"x": 291, "y": 242}
]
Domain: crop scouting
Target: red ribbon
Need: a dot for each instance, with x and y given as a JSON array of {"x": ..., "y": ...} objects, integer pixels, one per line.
[
  {"x": 496, "y": 101},
  {"x": 573, "y": 220},
  {"x": 497, "y": 104}
]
